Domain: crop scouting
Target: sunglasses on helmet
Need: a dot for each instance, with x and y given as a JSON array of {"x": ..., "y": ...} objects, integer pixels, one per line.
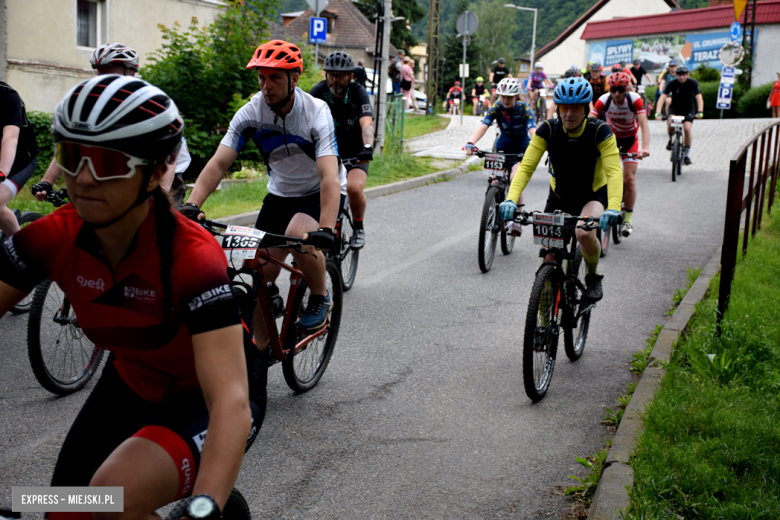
[{"x": 104, "y": 163}]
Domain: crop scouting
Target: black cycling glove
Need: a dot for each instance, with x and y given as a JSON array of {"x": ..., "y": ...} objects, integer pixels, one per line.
[
  {"x": 322, "y": 239},
  {"x": 2, "y": 177},
  {"x": 191, "y": 211},
  {"x": 366, "y": 154},
  {"x": 42, "y": 186}
]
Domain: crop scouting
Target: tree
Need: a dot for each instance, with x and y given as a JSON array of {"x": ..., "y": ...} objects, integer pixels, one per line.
[
  {"x": 453, "y": 52},
  {"x": 401, "y": 34},
  {"x": 494, "y": 35},
  {"x": 204, "y": 70}
]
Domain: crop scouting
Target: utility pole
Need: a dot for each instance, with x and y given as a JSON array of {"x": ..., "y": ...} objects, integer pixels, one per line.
[
  {"x": 386, "y": 21},
  {"x": 434, "y": 78},
  {"x": 750, "y": 29}
]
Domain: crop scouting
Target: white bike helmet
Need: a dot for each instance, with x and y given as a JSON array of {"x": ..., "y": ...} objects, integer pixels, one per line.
[
  {"x": 538, "y": 65},
  {"x": 508, "y": 87},
  {"x": 114, "y": 55}
]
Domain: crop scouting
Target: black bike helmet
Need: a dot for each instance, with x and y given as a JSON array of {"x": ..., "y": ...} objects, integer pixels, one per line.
[
  {"x": 572, "y": 73},
  {"x": 682, "y": 69},
  {"x": 339, "y": 62}
]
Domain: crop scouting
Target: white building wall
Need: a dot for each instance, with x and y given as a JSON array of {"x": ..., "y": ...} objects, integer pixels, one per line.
[
  {"x": 767, "y": 57},
  {"x": 575, "y": 50},
  {"x": 44, "y": 61}
]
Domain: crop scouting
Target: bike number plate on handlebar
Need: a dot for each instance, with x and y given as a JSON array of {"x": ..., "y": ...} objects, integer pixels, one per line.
[
  {"x": 677, "y": 121},
  {"x": 241, "y": 243},
  {"x": 494, "y": 165},
  {"x": 548, "y": 229}
]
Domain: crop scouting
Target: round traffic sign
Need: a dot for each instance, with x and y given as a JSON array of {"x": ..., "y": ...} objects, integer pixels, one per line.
[
  {"x": 735, "y": 31},
  {"x": 467, "y": 23}
]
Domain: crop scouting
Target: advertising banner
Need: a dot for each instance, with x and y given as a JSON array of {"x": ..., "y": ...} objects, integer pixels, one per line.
[{"x": 691, "y": 50}]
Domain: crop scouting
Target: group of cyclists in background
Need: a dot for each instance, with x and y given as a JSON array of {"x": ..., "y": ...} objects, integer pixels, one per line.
[{"x": 123, "y": 250}]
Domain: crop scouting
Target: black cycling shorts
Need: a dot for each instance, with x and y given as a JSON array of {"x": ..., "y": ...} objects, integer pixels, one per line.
[
  {"x": 277, "y": 212},
  {"x": 114, "y": 412},
  {"x": 689, "y": 116},
  {"x": 574, "y": 206},
  {"x": 625, "y": 144},
  {"x": 352, "y": 164},
  {"x": 19, "y": 176}
]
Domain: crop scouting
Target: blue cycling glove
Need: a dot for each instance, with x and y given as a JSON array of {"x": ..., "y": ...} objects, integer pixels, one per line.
[
  {"x": 507, "y": 210},
  {"x": 608, "y": 218},
  {"x": 470, "y": 147}
]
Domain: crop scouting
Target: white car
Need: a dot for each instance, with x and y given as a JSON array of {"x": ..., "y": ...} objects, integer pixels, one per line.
[{"x": 421, "y": 98}]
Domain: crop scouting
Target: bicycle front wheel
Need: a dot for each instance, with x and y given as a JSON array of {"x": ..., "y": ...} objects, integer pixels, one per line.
[
  {"x": 488, "y": 230},
  {"x": 62, "y": 358},
  {"x": 617, "y": 231},
  {"x": 304, "y": 369},
  {"x": 675, "y": 159},
  {"x": 575, "y": 329},
  {"x": 604, "y": 238},
  {"x": 25, "y": 305},
  {"x": 540, "y": 342},
  {"x": 348, "y": 256}
]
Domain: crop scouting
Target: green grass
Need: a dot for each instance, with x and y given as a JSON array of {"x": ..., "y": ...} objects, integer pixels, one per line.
[
  {"x": 711, "y": 446},
  {"x": 234, "y": 199},
  {"x": 417, "y": 125},
  {"x": 398, "y": 167},
  {"x": 24, "y": 200}
]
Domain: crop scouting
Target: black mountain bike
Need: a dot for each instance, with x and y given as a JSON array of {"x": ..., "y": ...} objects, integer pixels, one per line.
[
  {"x": 23, "y": 219},
  {"x": 345, "y": 257},
  {"x": 540, "y": 105},
  {"x": 498, "y": 167},
  {"x": 615, "y": 233},
  {"x": 62, "y": 358},
  {"x": 556, "y": 300},
  {"x": 678, "y": 146}
]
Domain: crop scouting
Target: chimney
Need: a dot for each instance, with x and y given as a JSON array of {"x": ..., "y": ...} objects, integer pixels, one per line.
[{"x": 716, "y": 3}]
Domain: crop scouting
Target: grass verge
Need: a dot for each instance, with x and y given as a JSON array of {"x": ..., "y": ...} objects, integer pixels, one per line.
[
  {"x": 248, "y": 196},
  {"x": 417, "y": 125},
  {"x": 710, "y": 446}
]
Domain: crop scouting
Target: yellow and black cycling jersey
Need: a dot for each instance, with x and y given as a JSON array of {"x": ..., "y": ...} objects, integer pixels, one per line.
[{"x": 581, "y": 161}]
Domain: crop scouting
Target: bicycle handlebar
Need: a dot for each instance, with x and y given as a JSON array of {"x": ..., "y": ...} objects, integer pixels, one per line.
[
  {"x": 58, "y": 198},
  {"x": 525, "y": 218},
  {"x": 480, "y": 153},
  {"x": 212, "y": 227}
]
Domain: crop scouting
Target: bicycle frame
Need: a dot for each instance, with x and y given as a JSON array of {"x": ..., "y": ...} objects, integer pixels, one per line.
[{"x": 277, "y": 339}]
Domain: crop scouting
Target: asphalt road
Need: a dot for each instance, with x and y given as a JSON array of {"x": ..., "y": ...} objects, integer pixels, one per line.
[{"x": 422, "y": 413}]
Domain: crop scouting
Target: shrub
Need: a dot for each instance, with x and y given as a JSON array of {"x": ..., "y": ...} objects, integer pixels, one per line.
[
  {"x": 705, "y": 73},
  {"x": 709, "y": 91},
  {"x": 753, "y": 102},
  {"x": 41, "y": 122}
]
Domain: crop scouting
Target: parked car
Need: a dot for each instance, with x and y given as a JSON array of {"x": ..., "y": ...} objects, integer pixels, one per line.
[{"x": 421, "y": 98}]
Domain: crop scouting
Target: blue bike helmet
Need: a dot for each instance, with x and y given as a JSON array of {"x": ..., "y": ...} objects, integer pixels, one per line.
[{"x": 573, "y": 91}]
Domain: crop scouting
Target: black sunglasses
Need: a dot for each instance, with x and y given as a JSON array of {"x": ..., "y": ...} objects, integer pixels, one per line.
[{"x": 617, "y": 89}]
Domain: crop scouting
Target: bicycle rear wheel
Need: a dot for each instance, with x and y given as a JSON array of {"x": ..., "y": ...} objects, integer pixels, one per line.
[
  {"x": 302, "y": 371},
  {"x": 675, "y": 159},
  {"x": 575, "y": 330},
  {"x": 348, "y": 256},
  {"x": 540, "y": 342},
  {"x": 617, "y": 231},
  {"x": 62, "y": 358},
  {"x": 25, "y": 305},
  {"x": 488, "y": 230}
]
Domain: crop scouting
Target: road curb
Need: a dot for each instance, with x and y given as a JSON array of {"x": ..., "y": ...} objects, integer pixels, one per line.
[
  {"x": 249, "y": 218},
  {"x": 611, "y": 497}
]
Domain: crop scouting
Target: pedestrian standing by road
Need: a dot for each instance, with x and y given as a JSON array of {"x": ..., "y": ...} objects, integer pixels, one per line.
[
  {"x": 394, "y": 71},
  {"x": 360, "y": 74},
  {"x": 18, "y": 154},
  {"x": 407, "y": 83},
  {"x": 351, "y": 110},
  {"x": 774, "y": 98},
  {"x": 117, "y": 58}
]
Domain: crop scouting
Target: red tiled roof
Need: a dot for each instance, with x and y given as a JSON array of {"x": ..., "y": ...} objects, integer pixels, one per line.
[
  {"x": 767, "y": 11},
  {"x": 581, "y": 20}
]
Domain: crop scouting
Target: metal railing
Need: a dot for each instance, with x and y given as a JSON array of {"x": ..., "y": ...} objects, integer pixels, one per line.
[{"x": 762, "y": 149}]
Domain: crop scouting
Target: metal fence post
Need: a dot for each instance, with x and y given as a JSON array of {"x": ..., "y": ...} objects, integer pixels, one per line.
[
  {"x": 728, "y": 257},
  {"x": 775, "y": 166},
  {"x": 757, "y": 193},
  {"x": 749, "y": 198}
]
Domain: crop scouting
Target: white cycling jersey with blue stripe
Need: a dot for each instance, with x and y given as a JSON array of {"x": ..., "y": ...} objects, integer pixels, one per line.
[{"x": 289, "y": 146}]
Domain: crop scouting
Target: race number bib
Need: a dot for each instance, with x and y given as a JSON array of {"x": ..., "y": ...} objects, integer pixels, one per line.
[
  {"x": 494, "y": 164},
  {"x": 241, "y": 243},
  {"x": 548, "y": 229}
]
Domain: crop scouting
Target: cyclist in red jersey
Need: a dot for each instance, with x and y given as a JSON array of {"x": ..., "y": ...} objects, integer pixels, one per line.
[
  {"x": 625, "y": 114},
  {"x": 152, "y": 288},
  {"x": 455, "y": 92}
]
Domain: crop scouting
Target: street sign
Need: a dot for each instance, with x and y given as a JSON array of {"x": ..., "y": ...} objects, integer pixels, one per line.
[
  {"x": 467, "y": 23},
  {"x": 461, "y": 72},
  {"x": 724, "y": 96},
  {"x": 727, "y": 75},
  {"x": 735, "y": 31},
  {"x": 317, "y": 5},
  {"x": 318, "y": 30}
]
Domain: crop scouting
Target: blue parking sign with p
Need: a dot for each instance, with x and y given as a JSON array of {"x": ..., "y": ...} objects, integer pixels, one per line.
[{"x": 318, "y": 30}]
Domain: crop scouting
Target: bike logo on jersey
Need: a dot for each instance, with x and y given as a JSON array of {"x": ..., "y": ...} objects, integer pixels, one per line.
[
  {"x": 223, "y": 292},
  {"x": 144, "y": 295},
  {"x": 98, "y": 284}
]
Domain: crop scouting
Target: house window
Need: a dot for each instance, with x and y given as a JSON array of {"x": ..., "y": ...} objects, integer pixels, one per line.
[
  {"x": 330, "y": 24},
  {"x": 88, "y": 23},
  {"x": 523, "y": 67}
]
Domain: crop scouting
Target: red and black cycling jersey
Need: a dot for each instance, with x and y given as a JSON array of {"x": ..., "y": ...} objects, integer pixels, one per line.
[{"x": 125, "y": 310}]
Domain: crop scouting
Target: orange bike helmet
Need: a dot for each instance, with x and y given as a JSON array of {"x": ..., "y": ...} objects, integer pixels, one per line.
[
  {"x": 618, "y": 79},
  {"x": 277, "y": 54}
]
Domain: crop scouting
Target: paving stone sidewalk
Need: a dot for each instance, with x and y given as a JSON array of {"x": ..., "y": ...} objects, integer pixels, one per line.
[{"x": 714, "y": 141}]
